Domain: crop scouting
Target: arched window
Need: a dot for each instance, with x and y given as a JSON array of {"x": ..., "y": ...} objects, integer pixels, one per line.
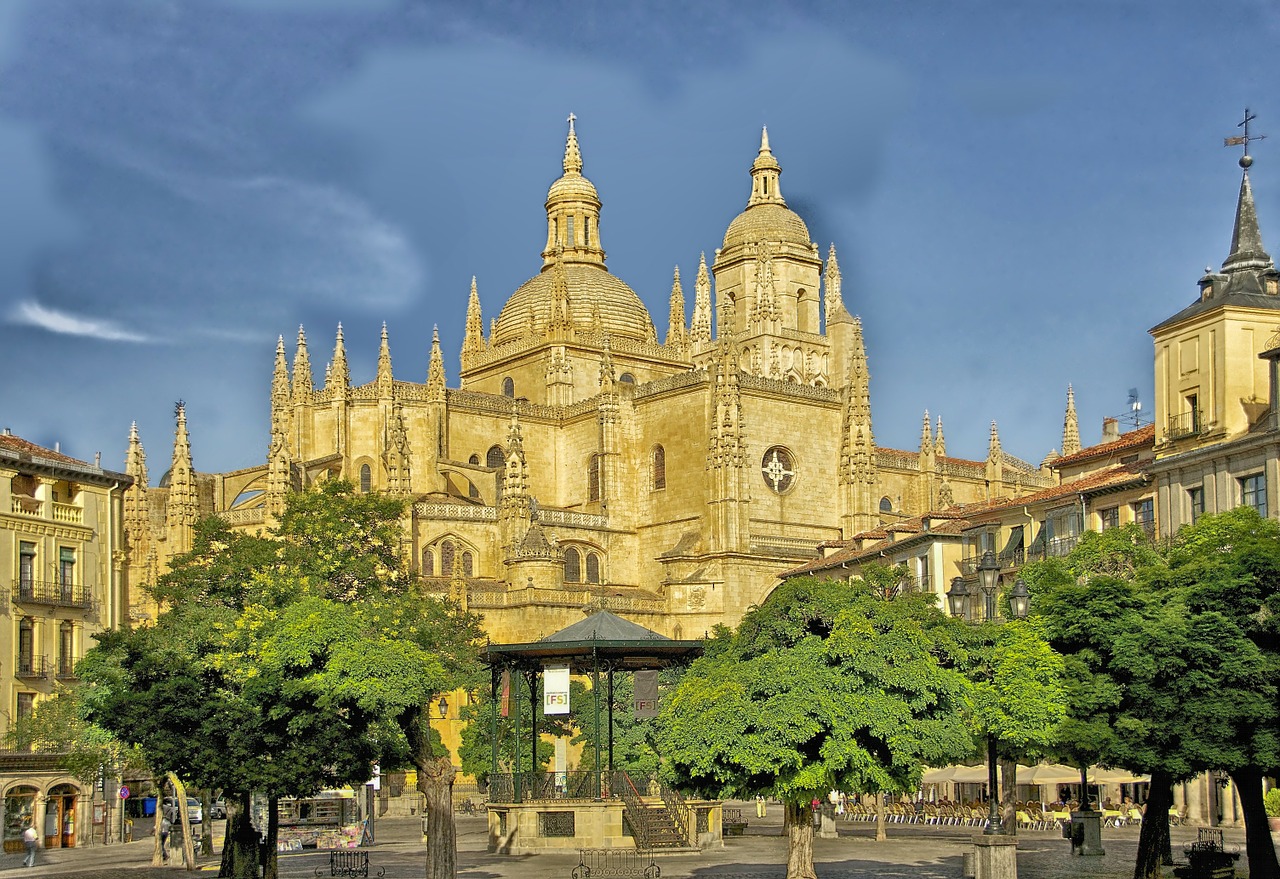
[
  {"x": 428, "y": 563},
  {"x": 572, "y": 566},
  {"x": 366, "y": 479},
  {"x": 474, "y": 459},
  {"x": 886, "y": 505},
  {"x": 495, "y": 458},
  {"x": 628, "y": 378},
  {"x": 508, "y": 387},
  {"x": 659, "y": 467},
  {"x": 447, "y": 551},
  {"x": 467, "y": 562},
  {"x": 593, "y": 568},
  {"x": 593, "y": 478}
]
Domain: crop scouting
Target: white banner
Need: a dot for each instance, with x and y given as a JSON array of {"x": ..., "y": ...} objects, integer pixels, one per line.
[{"x": 555, "y": 690}]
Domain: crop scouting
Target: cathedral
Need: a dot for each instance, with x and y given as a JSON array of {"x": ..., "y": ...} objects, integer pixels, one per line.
[{"x": 581, "y": 462}]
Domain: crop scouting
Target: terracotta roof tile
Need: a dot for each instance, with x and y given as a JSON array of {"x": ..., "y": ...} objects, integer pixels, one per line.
[
  {"x": 24, "y": 447},
  {"x": 1131, "y": 440}
]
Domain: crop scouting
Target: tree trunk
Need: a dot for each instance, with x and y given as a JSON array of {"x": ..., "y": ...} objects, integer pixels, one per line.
[
  {"x": 157, "y": 851},
  {"x": 799, "y": 830},
  {"x": 269, "y": 852},
  {"x": 1009, "y": 796},
  {"x": 184, "y": 822},
  {"x": 206, "y": 826},
  {"x": 435, "y": 780},
  {"x": 882, "y": 833},
  {"x": 1153, "y": 836},
  {"x": 1257, "y": 835},
  {"x": 240, "y": 848}
]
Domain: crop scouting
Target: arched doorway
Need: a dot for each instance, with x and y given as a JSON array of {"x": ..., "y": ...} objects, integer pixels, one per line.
[
  {"x": 19, "y": 811},
  {"x": 60, "y": 816}
]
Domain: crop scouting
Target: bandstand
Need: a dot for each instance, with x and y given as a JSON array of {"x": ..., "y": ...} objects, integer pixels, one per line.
[{"x": 607, "y": 808}]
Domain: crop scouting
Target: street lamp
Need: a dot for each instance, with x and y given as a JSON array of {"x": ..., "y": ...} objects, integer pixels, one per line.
[
  {"x": 989, "y": 568},
  {"x": 957, "y": 595},
  {"x": 444, "y": 707},
  {"x": 1019, "y": 598},
  {"x": 989, "y": 576}
]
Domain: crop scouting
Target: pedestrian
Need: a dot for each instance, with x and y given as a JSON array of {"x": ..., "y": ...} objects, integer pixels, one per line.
[
  {"x": 166, "y": 828},
  {"x": 759, "y": 807},
  {"x": 29, "y": 841}
]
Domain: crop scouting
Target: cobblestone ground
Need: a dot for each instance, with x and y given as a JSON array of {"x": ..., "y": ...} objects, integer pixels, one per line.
[{"x": 912, "y": 852}]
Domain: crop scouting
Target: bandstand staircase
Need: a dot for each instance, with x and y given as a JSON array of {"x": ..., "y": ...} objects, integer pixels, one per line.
[{"x": 654, "y": 825}]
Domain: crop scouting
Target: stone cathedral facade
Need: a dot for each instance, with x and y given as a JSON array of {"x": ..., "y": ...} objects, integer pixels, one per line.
[{"x": 580, "y": 460}]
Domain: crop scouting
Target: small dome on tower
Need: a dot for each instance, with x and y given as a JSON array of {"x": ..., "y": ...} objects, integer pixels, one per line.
[{"x": 767, "y": 217}]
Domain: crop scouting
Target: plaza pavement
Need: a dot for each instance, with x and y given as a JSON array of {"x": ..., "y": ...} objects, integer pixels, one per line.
[{"x": 912, "y": 852}]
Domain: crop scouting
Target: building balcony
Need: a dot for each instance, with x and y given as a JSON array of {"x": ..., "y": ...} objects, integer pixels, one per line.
[
  {"x": 1185, "y": 424},
  {"x": 33, "y": 668},
  {"x": 1010, "y": 558},
  {"x": 23, "y": 505},
  {"x": 53, "y": 594},
  {"x": 66, "y": 671},
  {"x": 67, "y": 513}
]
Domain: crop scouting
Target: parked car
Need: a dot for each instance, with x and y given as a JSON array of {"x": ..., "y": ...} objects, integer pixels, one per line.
[
  {"x": 195, "y": 813},
  {"x": 217, "y": 810}
]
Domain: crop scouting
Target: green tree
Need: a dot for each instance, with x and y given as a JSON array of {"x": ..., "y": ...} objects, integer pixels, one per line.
[
  {"x": 290, "y": 663},
  {"x": 824, "y": 685},
  {"x": 1167, "y": 660}
]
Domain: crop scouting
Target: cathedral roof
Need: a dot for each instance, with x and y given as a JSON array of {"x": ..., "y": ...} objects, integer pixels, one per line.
[{"x": 589, "y": 287}]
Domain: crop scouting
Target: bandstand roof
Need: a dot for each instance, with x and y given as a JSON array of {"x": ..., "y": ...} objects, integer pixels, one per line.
[{"x": 600, "y": 639}]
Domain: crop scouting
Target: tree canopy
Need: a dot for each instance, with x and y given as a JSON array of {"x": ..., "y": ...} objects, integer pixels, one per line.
[
  {"x": 286, "y": 663},
  {"x": 825, "y": 685}
]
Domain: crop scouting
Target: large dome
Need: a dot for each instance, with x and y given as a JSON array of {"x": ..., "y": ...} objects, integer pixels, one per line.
[
  {"x": 589, "y": 286},
  {"x": 767, "y": 222}
]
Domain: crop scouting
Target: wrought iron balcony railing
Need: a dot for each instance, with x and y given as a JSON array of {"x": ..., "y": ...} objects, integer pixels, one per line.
[
  {"x": 1186, "y": 424},
  {"x": 33, "y": 668},
  {"x": 53, "y": 593}
]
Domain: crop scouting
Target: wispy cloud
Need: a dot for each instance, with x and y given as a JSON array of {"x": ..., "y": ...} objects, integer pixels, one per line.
[{"x": 36, "y": 315}]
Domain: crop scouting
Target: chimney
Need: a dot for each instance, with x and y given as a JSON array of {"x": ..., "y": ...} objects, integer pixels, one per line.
[{"x": 1110, "y": 429}]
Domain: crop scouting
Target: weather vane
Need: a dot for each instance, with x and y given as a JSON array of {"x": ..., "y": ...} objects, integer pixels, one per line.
[{"x": 1243, "y": 140}]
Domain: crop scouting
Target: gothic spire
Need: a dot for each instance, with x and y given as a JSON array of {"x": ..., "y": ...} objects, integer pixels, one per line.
[
  {"x": 302, "y": 382},
  {"x": 135, "y": 461},
  {"x": 940, "y": 444},
  {"x": 384, "y": 361},
  {"x": 926, "y": 434},
  {"x": 676, "y": 337},
  {"x": 700, "y": 328},
  {"x": 338, "y": 375},
  {"x": 182, "y": 509},
  {"x": 572, "y": 154},
  {"x": 606, "y": 368},
  {"x": 993, "y": 446},
  {"x": 833, "y": 301},
  {"x": 473, "y": 341},
  {"x": 1070, "y": 426},
  {"x": 435, "y": 371},
  {"x": 280, "y": 377}
]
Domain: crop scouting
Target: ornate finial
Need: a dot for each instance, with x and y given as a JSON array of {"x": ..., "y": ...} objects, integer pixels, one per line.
[
  {"x": 1243, "y": 140},
  {"x": 572, "y": 155},
  {"x": 764, "y": 139}
]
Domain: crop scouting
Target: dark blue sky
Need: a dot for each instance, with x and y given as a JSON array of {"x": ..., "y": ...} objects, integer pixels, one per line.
[{"x": 1017, "y": 191}]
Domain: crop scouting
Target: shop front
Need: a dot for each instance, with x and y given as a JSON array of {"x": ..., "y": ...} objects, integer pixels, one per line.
[{"x": 19, "y": 811}]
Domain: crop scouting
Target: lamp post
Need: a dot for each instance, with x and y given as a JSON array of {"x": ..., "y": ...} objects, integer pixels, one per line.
[
  {"x": 989, "y": 577},
  {"x": 957, "y": 597}
]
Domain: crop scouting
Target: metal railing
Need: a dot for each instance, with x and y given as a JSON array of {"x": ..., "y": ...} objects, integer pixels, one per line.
[
  {"x": 53, "y": 593},
  {"x": 35, "y": 668},
  {"x": 1185, "y": 424}
]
